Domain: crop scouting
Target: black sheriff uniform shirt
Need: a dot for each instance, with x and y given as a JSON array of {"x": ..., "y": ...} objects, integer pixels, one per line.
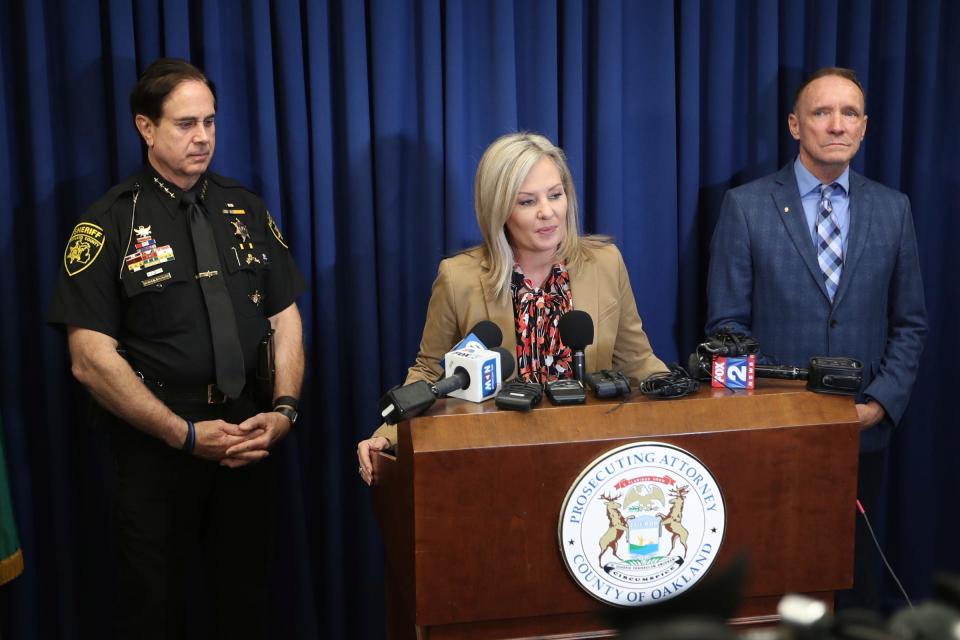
[{"x": 129, "y": 272}]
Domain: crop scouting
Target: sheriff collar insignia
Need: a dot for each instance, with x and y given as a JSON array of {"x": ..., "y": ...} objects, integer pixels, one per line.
[{"x": 163, "y": 186}]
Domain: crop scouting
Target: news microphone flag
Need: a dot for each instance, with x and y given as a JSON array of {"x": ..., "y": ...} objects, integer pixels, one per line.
[
  {"x": 470, "y": 342},
  {"x": 734, "y": 372},
  {"x": 482, "y": 366},
  {"x": 11, "y": 557},
  {"x": 484, "y": 335}
]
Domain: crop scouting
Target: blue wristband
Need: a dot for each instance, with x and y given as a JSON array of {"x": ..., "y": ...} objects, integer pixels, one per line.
[{"x": 191, "y": 437}]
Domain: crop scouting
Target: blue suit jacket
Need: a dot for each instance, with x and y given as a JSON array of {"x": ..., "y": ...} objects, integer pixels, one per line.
[{"x": 765, "y": 280}]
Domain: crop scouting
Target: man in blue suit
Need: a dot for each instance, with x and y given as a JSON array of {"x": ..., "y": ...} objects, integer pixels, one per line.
[{"x": 817, "y": 260}]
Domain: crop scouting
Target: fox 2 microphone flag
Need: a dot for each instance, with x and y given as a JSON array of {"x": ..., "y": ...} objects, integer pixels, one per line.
[{"x": 11, "y": 558}]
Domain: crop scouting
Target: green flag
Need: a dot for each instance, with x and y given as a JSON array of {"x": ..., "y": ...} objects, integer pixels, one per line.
[{"x": 11, "y": 558}]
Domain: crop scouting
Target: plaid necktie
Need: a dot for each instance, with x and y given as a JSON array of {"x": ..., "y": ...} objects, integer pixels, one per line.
[{"x": 829, "y": 247}]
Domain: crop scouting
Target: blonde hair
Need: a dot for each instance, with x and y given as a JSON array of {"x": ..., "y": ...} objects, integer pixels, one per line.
[{"x": 500, "y": 174}]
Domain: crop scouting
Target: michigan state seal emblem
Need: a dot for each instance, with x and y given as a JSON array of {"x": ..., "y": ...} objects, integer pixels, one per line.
[{"x": 641, "y": 524}]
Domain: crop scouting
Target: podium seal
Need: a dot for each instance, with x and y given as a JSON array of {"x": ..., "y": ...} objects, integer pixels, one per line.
[{"x": 641, "y": 524}]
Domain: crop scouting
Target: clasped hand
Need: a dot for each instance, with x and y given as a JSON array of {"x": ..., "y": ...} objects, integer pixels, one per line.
[{"x": 236, "y": 445}]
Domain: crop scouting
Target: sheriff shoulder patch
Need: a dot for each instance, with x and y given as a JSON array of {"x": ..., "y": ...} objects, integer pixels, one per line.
[
  {"x": 83, "y": 247},
  {"x": 275, "y": 230}
]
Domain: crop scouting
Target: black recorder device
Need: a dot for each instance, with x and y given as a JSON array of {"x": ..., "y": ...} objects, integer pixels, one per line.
[
  {"x": 563, "y": 392},
  {"x": 519, "y": 396},
  {"x": 609, "y": 384}
]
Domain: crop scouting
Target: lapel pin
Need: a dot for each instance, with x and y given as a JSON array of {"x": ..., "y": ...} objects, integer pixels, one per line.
[{"x": 786, "y": 209}]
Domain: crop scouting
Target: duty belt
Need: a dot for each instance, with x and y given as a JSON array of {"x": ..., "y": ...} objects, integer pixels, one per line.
[{"x": 185, "y": 393}]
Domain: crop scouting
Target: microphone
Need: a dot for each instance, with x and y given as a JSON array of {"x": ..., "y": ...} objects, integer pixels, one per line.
[
  {"x": 781, "y": 372},
  {"x": 486, "y": 332},
  {"x": 402, "y": 403},
  {"x": 576, "y": 332},
  {"x": 698, "y": 367},
  {"x": 728, "y": 359},
  {"x": 475, "y": 375},
  {"x": 484, "y": 335}
]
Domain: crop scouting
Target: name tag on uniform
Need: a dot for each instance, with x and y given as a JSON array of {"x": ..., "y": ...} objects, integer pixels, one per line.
[{"x": 149, "y": 282}]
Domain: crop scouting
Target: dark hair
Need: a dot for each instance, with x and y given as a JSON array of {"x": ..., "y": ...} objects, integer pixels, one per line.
[
  {"x": 840, "y": 72},
  {"x": 158, "y": 80}
]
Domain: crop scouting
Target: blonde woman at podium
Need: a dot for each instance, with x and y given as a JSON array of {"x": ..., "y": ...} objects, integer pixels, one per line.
[{"x": 532, "y": 267}]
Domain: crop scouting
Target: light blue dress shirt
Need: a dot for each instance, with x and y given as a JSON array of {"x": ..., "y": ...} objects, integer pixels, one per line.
[{"x": 809, "y": 187}]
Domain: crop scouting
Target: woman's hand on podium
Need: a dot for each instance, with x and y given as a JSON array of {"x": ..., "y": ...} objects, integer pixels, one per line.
[{"x": 364, "y": 450}]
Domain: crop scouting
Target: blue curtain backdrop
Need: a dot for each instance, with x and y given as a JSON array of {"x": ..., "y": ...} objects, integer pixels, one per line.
[{"x": 361, "y": 123}]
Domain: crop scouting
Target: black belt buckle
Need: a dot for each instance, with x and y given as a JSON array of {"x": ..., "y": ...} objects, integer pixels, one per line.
[{"x": 214, "y": 395}]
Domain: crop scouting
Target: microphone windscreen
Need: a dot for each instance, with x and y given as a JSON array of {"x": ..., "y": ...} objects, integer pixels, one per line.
[
  {"x": 694, "y": 370},
  {"x": 507, "y": 364},
  {"x": 576, "y": 329},
  {"x": 489, "y": 334}
]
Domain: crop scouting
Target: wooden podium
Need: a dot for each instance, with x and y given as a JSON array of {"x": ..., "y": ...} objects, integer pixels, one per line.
[{"x": 468, "y": 507}]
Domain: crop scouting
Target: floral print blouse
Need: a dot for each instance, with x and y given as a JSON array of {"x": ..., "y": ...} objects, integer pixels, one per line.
[{"x": 541, "y": 356}]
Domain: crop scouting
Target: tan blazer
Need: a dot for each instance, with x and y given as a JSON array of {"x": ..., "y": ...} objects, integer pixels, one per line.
[{"x": 461, "y": 298}]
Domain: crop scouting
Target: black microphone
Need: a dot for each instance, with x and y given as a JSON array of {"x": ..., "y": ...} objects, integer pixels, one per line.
[
  {"x": 576, "y": 332},
  {"x": 459, "y": 380},
  {"x": 781, "y": 372},
  {"x": 825, "y": 374},
  {"x": 489, "y": 334},
  {"x": 698, "y": 367},
  {"x": 407, "y": 401},
  {"x": 507, "y": 362},
  {"x": 401, "y": 403},
  {"x": 836, "y": 375}
]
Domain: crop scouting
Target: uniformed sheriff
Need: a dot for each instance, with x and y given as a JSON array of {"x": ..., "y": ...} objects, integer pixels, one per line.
[{"x": 178, "y": 297}]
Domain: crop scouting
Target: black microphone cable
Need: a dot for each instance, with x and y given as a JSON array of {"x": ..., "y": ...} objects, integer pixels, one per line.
[
  {"x": 675, "y": 383},
  {"x": 623, "y": 401},
  {"x": 866, "y": 520}
]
